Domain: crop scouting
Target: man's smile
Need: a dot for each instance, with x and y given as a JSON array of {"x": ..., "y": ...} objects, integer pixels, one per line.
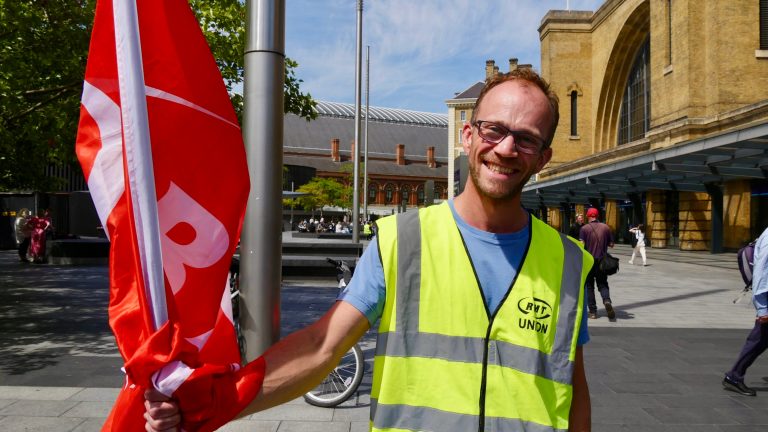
[{"x": 498, "y": 169}]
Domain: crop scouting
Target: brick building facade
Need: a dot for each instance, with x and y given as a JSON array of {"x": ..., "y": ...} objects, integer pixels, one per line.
[{"x": 406, "y": 150}]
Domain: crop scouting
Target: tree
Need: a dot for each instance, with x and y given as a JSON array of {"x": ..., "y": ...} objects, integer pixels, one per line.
[
  {"x": 321, "y": 192},
  {"x": 43, "y": 52}
]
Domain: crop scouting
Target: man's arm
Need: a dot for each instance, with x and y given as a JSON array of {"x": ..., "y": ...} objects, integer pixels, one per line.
[
  {"x": 760, "y": 277},
  {"x": 580, "y": 419},
  {"x": 300, "y": 361},
  {"x": 294, "y": 365}
]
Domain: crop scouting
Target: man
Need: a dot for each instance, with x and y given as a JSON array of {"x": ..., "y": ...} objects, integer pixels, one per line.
[
  {"x": 597, "y": 238},
  {"x": 481, "y": 305},
  {"x": 576, "y": 227},
  {"x": 757, "y": 341}
]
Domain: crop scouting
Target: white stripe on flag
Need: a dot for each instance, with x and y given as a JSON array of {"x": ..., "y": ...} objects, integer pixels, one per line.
[
  {"x": 138, "y": 152},
  {"x": 160, "y": 94},
  {"x": 105, "y": 181}
]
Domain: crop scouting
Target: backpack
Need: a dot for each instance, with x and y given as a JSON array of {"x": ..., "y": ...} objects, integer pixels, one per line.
[{"x": 746, "y": 259}]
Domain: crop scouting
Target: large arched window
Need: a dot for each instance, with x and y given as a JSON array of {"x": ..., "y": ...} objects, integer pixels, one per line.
[
  {"x": 405, "y": 194},
  {"x": 636, "y": 103},
  {"x": 372, "y": 189},
  {"x": 389, "y": 192}
]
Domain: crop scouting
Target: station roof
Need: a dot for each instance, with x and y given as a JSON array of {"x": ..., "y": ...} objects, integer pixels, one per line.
[
  {"x": 308, "y": 143},
  {"x": 391, "y": 115},
  {"x": 696, "y": 166}
]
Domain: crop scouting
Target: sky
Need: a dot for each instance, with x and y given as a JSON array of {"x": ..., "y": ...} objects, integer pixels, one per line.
[{"x": 422, "y": 52}]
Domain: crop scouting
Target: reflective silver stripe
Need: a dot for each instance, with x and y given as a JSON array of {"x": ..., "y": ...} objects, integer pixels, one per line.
[
  {"x": 432, "y": 345},
  {"x": 505, "y": 424},
  {"x": 556, "y": 366},
  {"x": 420, "y": 418},
  {"x": 570, "y": 288},
  {"x": 408, "y": 271},
  {"x": 433, "y": 420}
]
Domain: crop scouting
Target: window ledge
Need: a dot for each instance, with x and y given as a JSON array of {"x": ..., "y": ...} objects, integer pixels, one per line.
[
  {"x": 574, "y": 137},
  {"x": 668, "y": 69},
  {"x": 761, "y": 53}
]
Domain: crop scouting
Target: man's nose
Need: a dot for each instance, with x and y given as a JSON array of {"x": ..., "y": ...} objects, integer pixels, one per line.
[{"x": 507, "y": 147}]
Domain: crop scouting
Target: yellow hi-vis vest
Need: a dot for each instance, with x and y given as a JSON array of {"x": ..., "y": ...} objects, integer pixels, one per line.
[{"x": 444, "y": 362}]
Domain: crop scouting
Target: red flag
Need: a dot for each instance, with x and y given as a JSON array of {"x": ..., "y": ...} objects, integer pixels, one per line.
[{"x": 162, "y": 152}]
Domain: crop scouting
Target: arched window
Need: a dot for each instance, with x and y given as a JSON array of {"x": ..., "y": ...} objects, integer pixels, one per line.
[
  {"x": 389, "y": 192},
  {"x": 763, "y": 24},
  {"x": 636, "y": 104},
  {"x": 405, "y": 194},
  {"x": 438, "y": 192},
  {"x": 420, "y": 195},
  {"x": 574, "y": 112},
  {"x": 372, "y": 189}
]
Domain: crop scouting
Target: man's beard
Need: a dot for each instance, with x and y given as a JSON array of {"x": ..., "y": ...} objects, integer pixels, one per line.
[{"x": 516, "y": 189}]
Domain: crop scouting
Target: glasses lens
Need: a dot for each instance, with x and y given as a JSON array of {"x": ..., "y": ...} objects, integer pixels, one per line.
[
  {"x": 492, "y": 132},
  {"x": 527, "y": 143}
]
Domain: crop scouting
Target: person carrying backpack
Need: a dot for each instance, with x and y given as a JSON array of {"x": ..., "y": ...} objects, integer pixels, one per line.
[{"x": 757, "y": 341}]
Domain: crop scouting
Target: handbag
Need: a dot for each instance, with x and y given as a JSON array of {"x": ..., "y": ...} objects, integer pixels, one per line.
[{"x": 608, "y": 264}]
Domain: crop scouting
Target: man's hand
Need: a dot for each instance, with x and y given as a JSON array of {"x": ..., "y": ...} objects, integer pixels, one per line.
[
  {"x": 762, "y": 319},
  {"x": 162, "y": 412}
]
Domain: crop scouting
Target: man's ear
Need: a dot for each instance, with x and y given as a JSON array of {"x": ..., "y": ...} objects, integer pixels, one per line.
[
  {"x": 544, "y": 158},
  {"x": 466, "y": 137}
]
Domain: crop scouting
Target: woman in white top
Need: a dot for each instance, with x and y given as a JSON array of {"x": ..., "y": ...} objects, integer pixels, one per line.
[{"x": 640, "y": 245}]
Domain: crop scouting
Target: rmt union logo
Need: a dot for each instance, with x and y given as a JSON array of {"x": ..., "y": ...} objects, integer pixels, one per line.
[{"x": 534, "y": 310}]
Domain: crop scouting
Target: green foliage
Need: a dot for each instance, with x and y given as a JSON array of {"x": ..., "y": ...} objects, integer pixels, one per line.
[
  {"x": 43, "y": 52},
  {"x": 43, "y": 49},
  {"x": 223, "y": 24},
  {"x": 322, "y": 192}
]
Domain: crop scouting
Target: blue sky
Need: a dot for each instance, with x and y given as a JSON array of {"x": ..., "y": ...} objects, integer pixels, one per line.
[{"x": 422, "y": 51}]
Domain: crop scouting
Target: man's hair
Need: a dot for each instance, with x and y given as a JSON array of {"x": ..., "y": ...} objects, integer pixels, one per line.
[{"x": 529, "y": 75}]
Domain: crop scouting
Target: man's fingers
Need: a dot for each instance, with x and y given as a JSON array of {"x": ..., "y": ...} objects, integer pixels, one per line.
[
  {"x": 169, "y": 424},
  {"x": 155, "y": 396},
  {"x": 162, "y": 413}
]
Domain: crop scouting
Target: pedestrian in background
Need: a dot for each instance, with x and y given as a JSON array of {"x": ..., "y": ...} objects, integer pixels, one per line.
[
  {"x": 757, "y": 341},
  {"x": 576, "y": 227},
  {"x": 40, "y": 225},
  {"x": 639, "y": 243},
  {"x": 23, "y": 233},
  {"x": 597, "y": 238}
]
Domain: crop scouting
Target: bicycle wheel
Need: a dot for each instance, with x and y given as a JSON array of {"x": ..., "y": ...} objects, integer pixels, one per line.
[{"x": 341, "y": 383}]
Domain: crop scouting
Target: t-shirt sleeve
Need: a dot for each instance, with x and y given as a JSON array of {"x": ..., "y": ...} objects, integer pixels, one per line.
[
  {"x": 583, "y": 330},
  {"x": 366, "y": 291}
]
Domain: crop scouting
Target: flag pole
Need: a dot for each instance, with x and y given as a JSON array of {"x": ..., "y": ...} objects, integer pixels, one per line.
[
  {"x": 358, "y": 133},
  {"x": 365, "y": 147},
  {"x": 260, "y": 249}
]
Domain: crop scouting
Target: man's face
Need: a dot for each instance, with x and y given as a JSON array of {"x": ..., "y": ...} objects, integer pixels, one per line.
[
  {"x": 580, "y": 219},
  {"x": 499, "y": 171}
]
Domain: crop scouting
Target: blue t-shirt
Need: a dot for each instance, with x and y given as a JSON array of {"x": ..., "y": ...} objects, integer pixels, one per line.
[{"x": 496, "y": 258}]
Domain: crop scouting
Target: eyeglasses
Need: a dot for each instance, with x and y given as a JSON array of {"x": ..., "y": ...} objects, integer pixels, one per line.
[{"x": 495, "y": 133}]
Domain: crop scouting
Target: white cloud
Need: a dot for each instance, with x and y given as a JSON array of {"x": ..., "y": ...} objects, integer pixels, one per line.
[{"x": 422, "y": 51}]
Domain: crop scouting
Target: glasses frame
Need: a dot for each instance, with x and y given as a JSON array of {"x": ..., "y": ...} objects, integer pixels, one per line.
[{"x": 478, "y": 124}]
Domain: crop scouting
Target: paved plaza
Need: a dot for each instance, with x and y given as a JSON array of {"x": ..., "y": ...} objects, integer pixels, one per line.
[{"x": 657, "y": 367}]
